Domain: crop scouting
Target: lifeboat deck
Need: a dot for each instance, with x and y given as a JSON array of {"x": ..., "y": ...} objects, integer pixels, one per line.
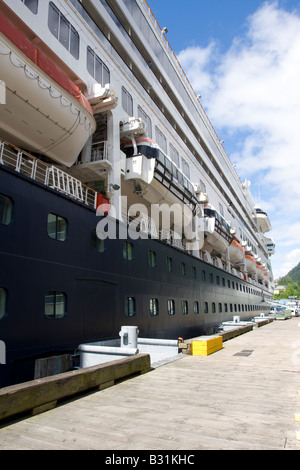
[{"x": 245, "y": 396}]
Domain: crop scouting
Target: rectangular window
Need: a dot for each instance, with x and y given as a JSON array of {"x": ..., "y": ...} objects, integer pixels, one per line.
[
  {"x": 185, "y": 307},
  {"x": 6, "y": 210},
  {"x": 129, "y": 307},
  {"x": 174, "y": 155},
  {"x": 185, "y": 168},
  {"x": 57, "y": 227},
  {"x": 171, "y": 307},
  {"x": 96, "y": 68},
  {"x": 142, "y": 115},
  {"x": 196, "y": 308},
  {"x": 62, "y": 29},
  {"x": 202, "y": 187},
  {"x": 182, "y": 269},
  {"x": 220, "y": 308},
  {"x": 161, "y": 139},
  {"x": 205, "y": 307},
  {"x": 169, "y": 264},
  {"x": 128, "y": 251},
  {"x": 3, "y": 300},
  {"x": 203, "y": 275},
  {"x": 211, "y": 278},
  {"x": 213, "y": 307},
  {"x": 151, "y": 259},
  {"x": 153, "y": 307},
  {"x": 32, "y": 5},
  {"x": 127, "y": 101},
  {"x": 194, "y": 272},
  {"x": 55, "y": 305},
  {"x": 97, "y": 243}
]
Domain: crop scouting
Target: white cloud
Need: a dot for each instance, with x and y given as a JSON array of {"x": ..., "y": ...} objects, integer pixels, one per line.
[
  {"x": 286, "y": 263},
  {"x": 252, "y": 96},
  {"x": 197, "y": 61}
]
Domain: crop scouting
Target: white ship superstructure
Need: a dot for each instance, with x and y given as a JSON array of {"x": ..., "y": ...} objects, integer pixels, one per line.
[
  {"x": 99, "y": 110},
  {"x": 118, "y": 56}
]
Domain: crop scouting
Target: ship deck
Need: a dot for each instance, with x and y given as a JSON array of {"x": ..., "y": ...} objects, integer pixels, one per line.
[{"x": 245, "y": 396}]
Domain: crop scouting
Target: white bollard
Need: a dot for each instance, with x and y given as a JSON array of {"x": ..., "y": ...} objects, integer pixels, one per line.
[{"x": 129, "y": 336}]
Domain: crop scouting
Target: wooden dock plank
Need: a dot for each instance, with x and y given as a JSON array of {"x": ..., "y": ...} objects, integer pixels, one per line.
[{"x": 222, "y": 401}]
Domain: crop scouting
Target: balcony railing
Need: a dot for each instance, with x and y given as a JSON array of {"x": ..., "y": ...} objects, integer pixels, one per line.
[{"x": 49, "y": 175}]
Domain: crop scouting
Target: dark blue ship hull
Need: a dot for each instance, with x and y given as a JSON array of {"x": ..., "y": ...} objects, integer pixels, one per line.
[{"x": 96, "y": 285}]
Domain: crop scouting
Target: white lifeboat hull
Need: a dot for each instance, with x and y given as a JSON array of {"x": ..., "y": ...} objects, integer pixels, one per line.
[
  {"x": 214, "y": 241},
  {"x": 250, "y": 264},
  {"x": 260, "y": 272},
  {"x": 39, "y": 114},
  {"x": 236, "y": 252},
  {"x": 157, "y": 198}
]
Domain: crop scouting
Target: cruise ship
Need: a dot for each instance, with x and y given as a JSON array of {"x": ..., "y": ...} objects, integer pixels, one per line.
[{"x": 118, "y": 202}]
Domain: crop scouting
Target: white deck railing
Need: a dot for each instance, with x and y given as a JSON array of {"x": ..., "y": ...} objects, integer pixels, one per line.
[{"x": 49, "y": 175}]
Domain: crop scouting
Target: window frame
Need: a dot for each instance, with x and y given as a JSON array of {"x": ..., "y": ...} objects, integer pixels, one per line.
[
  {"x": 127, "y": 102},
  {"x": 196, "y": 307},
  {"x": 128, "y": 251},
  {"x": 58, "y": 219},
  {"x": 98, "y": 244},
  {"x": 55, "y": 295},
  {"x": 154, "y": 307},
  {"x": 171, "y": 307},
  {"x": 63, "y": 31},
  {"x": 184, "y": 307},
  {"x": 31, "y": 5},
  {"x": 151, "y": 256},
  {"x": 91, "y": 55},
  {"x": 130, "y": 307},
  {"x": 8, "y": 210},
  {"x": 3, "y": 302}
]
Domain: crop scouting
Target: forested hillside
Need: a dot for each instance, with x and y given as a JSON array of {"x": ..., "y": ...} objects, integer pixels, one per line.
[
  {"x": 293, "y": 275},
  {"x": 292, "y": 281}
]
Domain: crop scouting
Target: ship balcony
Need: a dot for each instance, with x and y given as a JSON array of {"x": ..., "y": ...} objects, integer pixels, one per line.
[
  {"x": 100, "y": 163},
  {"x": 100, "y": 156},
  {"x": 27, "y": 165}
]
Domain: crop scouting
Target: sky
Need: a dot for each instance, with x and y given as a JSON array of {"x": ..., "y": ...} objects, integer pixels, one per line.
[{"x": 243, "y": 58}]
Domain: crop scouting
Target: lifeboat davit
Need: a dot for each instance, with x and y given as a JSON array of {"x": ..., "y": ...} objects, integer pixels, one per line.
[
  {"x": 236, "y": 252},
  {"x": 45, "y": 112}
]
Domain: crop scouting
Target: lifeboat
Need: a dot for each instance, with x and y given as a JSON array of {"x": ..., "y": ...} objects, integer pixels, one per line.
[
  {"x": 236, "y": 252},
  {"x": 152, "y": 176},
  {"x": 262, "y": 220},
  {"x": 250, "y": 265},
  {"x": 45, "y": 112},
  {"x": 217, "y": 231},
  {"x": 260, "y": 272}
]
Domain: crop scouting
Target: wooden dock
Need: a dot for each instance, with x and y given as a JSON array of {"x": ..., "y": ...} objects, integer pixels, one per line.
[{"x": 244, "y": 397}]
